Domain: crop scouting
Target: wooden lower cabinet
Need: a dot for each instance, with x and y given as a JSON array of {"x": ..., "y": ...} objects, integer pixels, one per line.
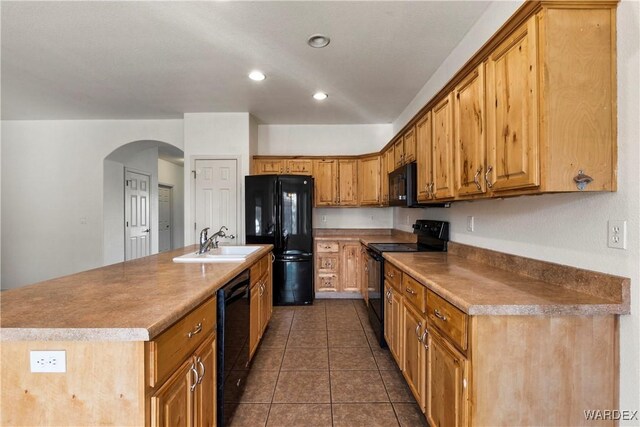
[
  {"x": 337, "y": 266},
  {"x": 447, "y": 395},
  {"x": 260, "y": 301},
  {"x": 188, "y": 397},
  {"x": 393, "y": 328},
  {"x": 415, "y": 352},
  {"x": 254, "y": 319}
]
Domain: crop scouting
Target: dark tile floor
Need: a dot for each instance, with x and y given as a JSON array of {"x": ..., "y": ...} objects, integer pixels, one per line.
[{"x": 320, "y": 366}]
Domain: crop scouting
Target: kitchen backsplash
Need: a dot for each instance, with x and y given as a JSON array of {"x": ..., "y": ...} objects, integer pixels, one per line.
[{"x": 352, "y": 218}]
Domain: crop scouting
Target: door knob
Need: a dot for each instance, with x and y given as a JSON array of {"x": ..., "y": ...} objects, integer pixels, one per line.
[{"x": 147, "y": 230}]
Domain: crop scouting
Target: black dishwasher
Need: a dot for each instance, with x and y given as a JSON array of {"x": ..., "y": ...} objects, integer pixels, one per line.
[{"x": 232, "y": 334}]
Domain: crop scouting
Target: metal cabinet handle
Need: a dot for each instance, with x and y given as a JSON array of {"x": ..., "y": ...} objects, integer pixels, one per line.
[
  {"x": 366, "y": 268},
  {"x": 475, "y": 178},
  {"x": 418, "y": 326},
  {"x": 423, "y": 339},
  {"x": 196, "y": 331},
  {"x": 391, "y": 274},
  {"x": 410, "y": 291},
  {"x": 195, "y": 379},
  {"x": 486, "y": 176},
  {"x": 261, "y": 289},
  {"x": 431, "y": 185},
  {"x": 439, "y": 315},
  {"x": 204, "y": 369}
]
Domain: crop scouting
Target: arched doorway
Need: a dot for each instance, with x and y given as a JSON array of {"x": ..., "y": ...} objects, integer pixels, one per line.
[{"x": 134, "y": 174}]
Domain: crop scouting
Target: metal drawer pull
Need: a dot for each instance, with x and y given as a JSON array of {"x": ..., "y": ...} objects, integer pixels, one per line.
[
  {"x": 410, "y": 291},
  {"x": 196, "y": 331},
  {"x": 391, "y": 274},
  {"x": 418, "y": 326},
  {"x": 439, "y": 315},
  {"x": 423, "y": 339},
  {"x": 486, "y": 176},
  {"x": 196, "y": 379},
  {"x": 204, "y": 369},
  {"x": 475, "y": 178}
]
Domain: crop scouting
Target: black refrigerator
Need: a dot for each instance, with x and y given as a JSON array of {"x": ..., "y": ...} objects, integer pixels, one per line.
[{"x": 278, "y": 211}]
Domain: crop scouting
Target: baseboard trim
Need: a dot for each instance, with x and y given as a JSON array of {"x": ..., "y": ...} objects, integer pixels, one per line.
[{"x": 338, "y": 295}]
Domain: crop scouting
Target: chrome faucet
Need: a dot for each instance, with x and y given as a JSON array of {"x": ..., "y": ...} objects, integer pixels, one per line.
[{"x": 207, "y": 243}]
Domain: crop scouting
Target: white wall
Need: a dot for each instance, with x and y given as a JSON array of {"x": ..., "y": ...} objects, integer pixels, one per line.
[
  {"x": 173, "y": 175},
  {"x": 215, "y": 135},
  {"x": 565, "y": 228},
  {"x": 318, "y": 140},
  {"x": 52, "y": 176}
]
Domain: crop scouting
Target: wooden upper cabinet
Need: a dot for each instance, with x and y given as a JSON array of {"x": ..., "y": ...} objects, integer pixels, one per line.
[
  {"x": 470, "y": 149},
  {"x": 325, "y": 173},
  {"x": 442, "y": 140},
  {"x": 348, "y": 182},
  {"x": 424, "y": 157},
  {"x": 409, "y": 146},
  {"x": 369, "y": 183},
  {"x": 268, "y": 166},
  {"x": 398, "y": 152},
  {"x": 390, "y": 159},
  {"x": 299, "y": 166},
  {"x": 512, "y": 113}
]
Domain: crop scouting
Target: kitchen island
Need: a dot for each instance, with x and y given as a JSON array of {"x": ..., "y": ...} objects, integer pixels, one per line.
[{"x": 127, "y": 331}]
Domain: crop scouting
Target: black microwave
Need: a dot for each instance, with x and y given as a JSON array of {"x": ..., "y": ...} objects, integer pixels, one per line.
[{"x": 403, "y": 184}]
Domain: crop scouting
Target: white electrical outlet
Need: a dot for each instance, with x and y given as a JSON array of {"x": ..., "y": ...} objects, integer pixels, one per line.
[
  {"x": 617, "y": 234},
  {"x": 324, "y": 218},
  {"x": 470, "y": 222},
  {"x": 48, "y": 361}
]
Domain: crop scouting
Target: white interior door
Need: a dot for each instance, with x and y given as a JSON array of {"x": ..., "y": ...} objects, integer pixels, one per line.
[
  {"x": 165, "y": 222},
  {"x": 216, "y": 198},
  {"x": 136, "y": 213}
]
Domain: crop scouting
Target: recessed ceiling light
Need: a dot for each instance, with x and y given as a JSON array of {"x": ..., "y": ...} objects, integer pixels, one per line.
[
  {"x": 257, "y": 76},
  {"x": 320, "y": 96},
  {"x": 318, "y": 40}
]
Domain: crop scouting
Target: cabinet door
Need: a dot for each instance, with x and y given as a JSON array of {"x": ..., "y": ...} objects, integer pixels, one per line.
[
  {"x": 172, "y": 405},
  {"x": 348, "y": 182},
  {"x": 398, "y": 328},
  {"x": 300, "y": 167},
  {"x": 349, "y": 267},
  {"x": 326, "y": 182},
  {"x": 369, "y": 182},
  {"x": 470, "y": 150},
  {"x": 265, "y": 311},
  {"x": 205, "y": 392},
  {"x": 512, "y": 111},
  {"x": 414, "y": 359},
  {"x": 398, "y": 152},
  {"x": 388, "y": 315},
  {"x": 442, "y": 141},
  {"x": 390, "y": 160},
  {"x": 424, "y": 153},
  {"x": 363, "y": 273},
  {"x": 410, "y": 146},
  {"x": 254, "y": 318},
  {"x": 268, "y": 166},
  {"x": 447, "y": 403}
]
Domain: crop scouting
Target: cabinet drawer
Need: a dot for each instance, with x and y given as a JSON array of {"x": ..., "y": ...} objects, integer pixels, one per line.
[
  {"x": 328, "y": 263},
  {"x": 448, "y": 319},
  {"x": 327, "y": 282},
  {"x": 172, "y": 347},
  {"x": 392, "y": 274},
  {"x": 414, "y": 292},
  {"x": 264, "y": 263},
  {"x": 327, "y": 247}
]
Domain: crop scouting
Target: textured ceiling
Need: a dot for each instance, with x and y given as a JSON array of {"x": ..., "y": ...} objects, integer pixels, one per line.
[{"x": 139, "y": 60}]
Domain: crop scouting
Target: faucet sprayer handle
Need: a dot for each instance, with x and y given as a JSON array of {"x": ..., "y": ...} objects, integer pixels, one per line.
[{"x": 203, "y": 235}]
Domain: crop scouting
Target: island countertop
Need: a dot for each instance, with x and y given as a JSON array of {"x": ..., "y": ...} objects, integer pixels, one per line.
[
  {"x": 128, "y": 301},
  {"x": 477, "y": 288}
]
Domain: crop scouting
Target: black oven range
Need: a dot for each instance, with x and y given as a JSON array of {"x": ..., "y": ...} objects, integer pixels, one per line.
[{"x": 431, "y": 235}]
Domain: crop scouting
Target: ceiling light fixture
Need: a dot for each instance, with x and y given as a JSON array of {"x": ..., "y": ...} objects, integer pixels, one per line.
[
  {"x": 257, "y": 76},
  {"x": 320, "y": 96},
  {"x": 318, "y": 41}
]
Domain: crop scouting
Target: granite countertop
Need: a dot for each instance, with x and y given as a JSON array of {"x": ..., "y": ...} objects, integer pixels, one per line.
[
  {"x": 480, "y": 289},
  {"x": 129, "y": 301},
  {"x": 365, "y": 235}
]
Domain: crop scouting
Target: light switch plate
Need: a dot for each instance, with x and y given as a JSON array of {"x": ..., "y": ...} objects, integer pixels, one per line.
[
  {"x": 470, "y": 223},
  {"x": 48, "y": 361},
  {"x": 617, "y": 234}
]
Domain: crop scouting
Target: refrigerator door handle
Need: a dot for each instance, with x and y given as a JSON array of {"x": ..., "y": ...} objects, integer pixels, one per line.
[{"x": 280, "y": 231}]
